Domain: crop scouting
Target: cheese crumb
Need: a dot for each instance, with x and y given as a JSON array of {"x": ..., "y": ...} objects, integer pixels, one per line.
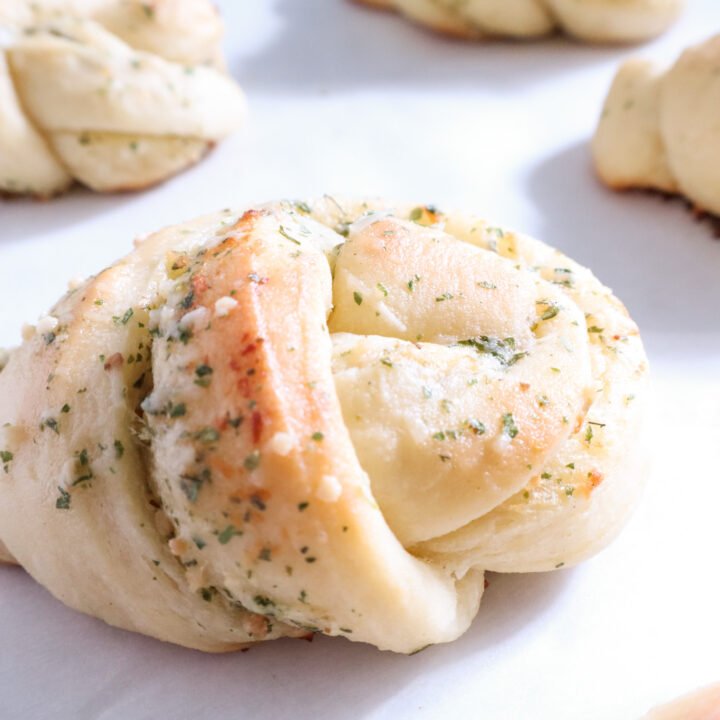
[
  {"x": 28, "y": 331},
  {"x": 46, "y": 324},
  {"x": 75, "y": 282},
  {"x": 329, "y": 489},
  {"x": 281, "y": 443},
  {"x": 194, "y": 320},
  {"x": 224, "y": 305}
]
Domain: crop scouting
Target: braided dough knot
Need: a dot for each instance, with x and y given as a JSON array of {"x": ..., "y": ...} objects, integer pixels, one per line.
[
  {"x": 331, "y": 417},
  {"x": 592, "y": 20},
  {"x": 116, "y": 94},
  {"x": 659, "y": 128}
]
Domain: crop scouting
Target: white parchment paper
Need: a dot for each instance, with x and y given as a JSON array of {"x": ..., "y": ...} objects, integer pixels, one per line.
[{"x": 347, "y": 100}]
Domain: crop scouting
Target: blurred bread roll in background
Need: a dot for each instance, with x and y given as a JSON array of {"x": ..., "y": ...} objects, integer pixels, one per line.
[
  {"x": 116, "y": 94},
  {"x": 613, "y": 21},
  {"x": 660, "y": 127},
  {"x": 701, "y": 705}
]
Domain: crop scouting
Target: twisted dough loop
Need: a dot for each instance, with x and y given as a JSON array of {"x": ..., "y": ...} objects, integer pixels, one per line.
[
  {"x": 329, "y": 417},
  {"x": 591, "y": 20},
  {"x": 659, "y": 127},
  {"x": 118, "y": 95}
]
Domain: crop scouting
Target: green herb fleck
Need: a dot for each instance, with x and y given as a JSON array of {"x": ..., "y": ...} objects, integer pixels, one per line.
[
  {"x": 6, "y": 456},
  {"x": 287, "y": 235},
  {"x": 509, "y": 427},
  {"x": 501, "y": 349},
  {"x": 207, "y": 435},
  {"x": 178, "y": 410},
  {"x": 227, "y": 534},
  {"x": 257, "y": 501},
  {"x": 477, "y": 426},
  {"x": 191, "y": 484},
  {"x": 53, "y": 425},
  {"x": 63, "y": 502},
  {"x": 203, "y": 373},
  {"x": 263, "y": 601},
  {"x": 252, "y": 460}
]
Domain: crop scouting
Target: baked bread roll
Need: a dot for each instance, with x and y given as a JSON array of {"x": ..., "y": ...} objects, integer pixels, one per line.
[
  {"x": 117, "y": 94},
  {"x": 659, "y": 127},
  {"x": 326, "y": 417},
  {"x": 701, "y": 705},
  {"x": 615, "y": 21}
]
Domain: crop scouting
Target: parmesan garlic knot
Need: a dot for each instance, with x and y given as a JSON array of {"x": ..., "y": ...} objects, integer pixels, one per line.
[
  {"x": 116, "y": 94},
  {"x": 319, "y": 417}
]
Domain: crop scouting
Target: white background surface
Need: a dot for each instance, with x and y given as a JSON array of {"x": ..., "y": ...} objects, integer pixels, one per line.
[{"x": 347, "y": 100}]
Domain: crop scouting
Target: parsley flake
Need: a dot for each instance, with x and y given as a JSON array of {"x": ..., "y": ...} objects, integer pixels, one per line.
[
  {"x": 252, "y": 461},
  {"x": 509, "y": 427},
  {"x": 63, "y": 502}
]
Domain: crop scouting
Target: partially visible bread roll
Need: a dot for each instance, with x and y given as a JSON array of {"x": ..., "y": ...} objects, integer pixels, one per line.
[
  {"x": 660, "y": 128},
  {"x": 328, "y": 416},
  {"x": 5, "y": 557},
  {"x": 701, "y": 705},
  {"x": 116, "y": 94},
  {"x": 618, "y": 21}
]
